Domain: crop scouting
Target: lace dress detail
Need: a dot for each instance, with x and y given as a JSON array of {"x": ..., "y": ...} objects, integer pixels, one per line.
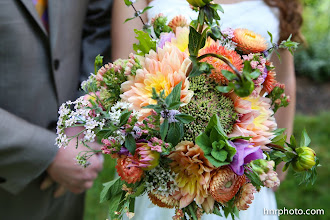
[{"x": 254, "y": 15}]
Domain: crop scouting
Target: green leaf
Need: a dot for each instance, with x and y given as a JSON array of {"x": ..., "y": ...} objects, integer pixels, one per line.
[
  {"x": 228, "y": 74},
  {"x": 146, "y": 43},
  {"x": 174, "y": 105},
  {"x": 204, "y": 143},
  {"x": 293, "y": 143},
  {"x": 224, "y": 89},
  {"x": 128, "y": 2},
  {"x": 174, "y": 96},
  {"x": 124, "y": 116},
  {"x": 184, "y": 118},
  {"x": 216, "y": 211},
  {"x": 111, "y": 188},
  {"x": 194, "y": 38},
  {"x": 220, "y": 155},
  {"x": 217, "y": 7},
  {"x": 254, "y": 178},
  {"x": 271, "y": 36},
  {"x": 106, "y": 132},
  {"x": 215, "y": 33},
  {"x": 128, "y": 19},
  {"x": 216, "y": 162},
  {"x": 255, "y": 74},
  {"x": 146, "y": 9},
  {"x": 305, "y": 140},
  {"x": 130, "y": 143},
  {"x": 139, "y": 190},
  {"x": 279, "y": 139},
  {"x": 116, "y": 205},
  {"x": 175, "y": 133},
  {"x": 215, "y": 136},
  {"x": 164, "y": 129}
]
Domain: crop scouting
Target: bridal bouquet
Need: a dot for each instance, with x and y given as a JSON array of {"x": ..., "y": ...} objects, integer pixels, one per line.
[{"x": 189, "y": 118}]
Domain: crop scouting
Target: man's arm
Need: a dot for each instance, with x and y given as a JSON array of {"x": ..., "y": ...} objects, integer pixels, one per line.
[{"x": 26, "y": 150}]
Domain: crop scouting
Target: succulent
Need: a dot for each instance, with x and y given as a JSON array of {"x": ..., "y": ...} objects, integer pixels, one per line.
[{"x": 204, "y": 104}]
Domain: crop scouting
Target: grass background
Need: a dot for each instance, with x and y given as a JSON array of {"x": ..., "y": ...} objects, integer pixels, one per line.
[{"x": 290, "y": 195}]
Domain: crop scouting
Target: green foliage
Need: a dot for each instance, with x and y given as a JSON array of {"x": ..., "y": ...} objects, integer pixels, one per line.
[
  {"x": 214, "y": 142},
  {"x": 130, "y": 143},
  {"x": 160, "y": 26},
  {"x": 146, "y": 43},
  {"x": 138, "y": 13},
  {"x": 279, "y": 99},
  {"x": 312, "y": 60}
]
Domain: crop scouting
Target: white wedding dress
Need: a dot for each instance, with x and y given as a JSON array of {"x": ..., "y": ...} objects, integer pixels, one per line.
[{"x": 254, "y": 15}]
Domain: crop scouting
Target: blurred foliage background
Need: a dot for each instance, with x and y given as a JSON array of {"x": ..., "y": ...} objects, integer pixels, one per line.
[{"x": 311, "y": 61}]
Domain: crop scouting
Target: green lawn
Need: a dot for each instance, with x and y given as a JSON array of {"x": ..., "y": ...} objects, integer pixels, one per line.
[{"x": 290, "y": 195}]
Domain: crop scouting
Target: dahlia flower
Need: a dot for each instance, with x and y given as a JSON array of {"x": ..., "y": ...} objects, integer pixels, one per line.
[
  {"x": 126, "y": 172},
  {"x": 270, "y": 81},
  {"x": 181, "y": 39},
  {"x": 193, "y": 172},
  {"x": 245, "y": 196},
  {"x": 163, "y": 201},
  {"x": 163, "y": 71},
  {"x": 178, "y": 21},
  {"x": 249, "y": 41},
  {"x": 225, "y": 184},
  {"x": 218, "y": 64},
  {"x": 256, "y": 120}
]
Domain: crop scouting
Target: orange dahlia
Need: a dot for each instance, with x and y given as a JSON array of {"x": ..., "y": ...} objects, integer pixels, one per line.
[
  {"x": 245, "y": 196},
  {"x": 270, "y": 81},
  {"x": 178, "y": 21},
  {"x": 193, "y": 172},
  {"x": 163, "y": 201},
  {"x": 126, "y": 172},
  {"x": 225, "y": 184},
  {"x": 249, "y": 41},
  {"x": 218, "y": 64}
]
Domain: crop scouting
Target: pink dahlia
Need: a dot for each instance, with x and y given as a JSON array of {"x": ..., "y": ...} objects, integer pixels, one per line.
[
  {"x": 256, "y": 120},
  {"x": 163, "y": 70}
]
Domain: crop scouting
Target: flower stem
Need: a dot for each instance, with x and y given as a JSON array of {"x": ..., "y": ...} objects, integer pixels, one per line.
[
  {"x": 222, "y": 58},
  {"x": 138, "y": 15}
]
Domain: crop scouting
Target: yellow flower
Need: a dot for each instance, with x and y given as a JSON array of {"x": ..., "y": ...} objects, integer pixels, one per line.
[
  {"x": 181, "y": 39},
  {"x": 163, "y": 71},
  {"x": 194, "y": 172},
  {"x": 256, "y": 120}
]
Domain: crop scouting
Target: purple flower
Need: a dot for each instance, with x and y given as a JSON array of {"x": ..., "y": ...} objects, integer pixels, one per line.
[
  {"x": 165, "y": 37},
  {"x": 170, "y": 115},
  {"x": 244, "y": 154}
]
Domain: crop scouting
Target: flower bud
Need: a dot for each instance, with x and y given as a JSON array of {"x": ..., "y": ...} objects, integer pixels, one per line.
[
  {"x": 305, "y": 160},
  {"x": 198, "y": 3}
]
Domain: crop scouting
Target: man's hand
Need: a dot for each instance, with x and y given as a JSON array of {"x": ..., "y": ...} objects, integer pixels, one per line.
[{"x": 65, "y": 171}]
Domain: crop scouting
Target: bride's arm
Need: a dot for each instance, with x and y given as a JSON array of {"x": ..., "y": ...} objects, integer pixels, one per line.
[
  {"x": 285, "y": 73},
  {"x": 122, "y": 34}
]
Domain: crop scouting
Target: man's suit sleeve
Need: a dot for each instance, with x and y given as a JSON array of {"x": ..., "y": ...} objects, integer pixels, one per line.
[
  {"x": 96, "y": 35},
  {"x": 26, "y": 150}
]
